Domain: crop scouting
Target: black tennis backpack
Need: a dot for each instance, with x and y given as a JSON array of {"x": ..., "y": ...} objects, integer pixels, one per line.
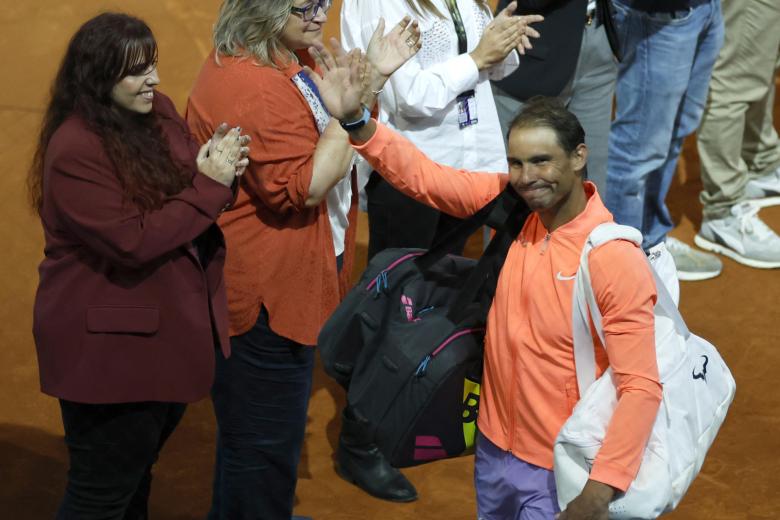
[{"x": 407, "y": 341}]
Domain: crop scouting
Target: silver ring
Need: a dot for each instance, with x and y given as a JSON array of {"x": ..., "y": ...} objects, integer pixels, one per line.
[
  {"x": 230, "y": 161},
  {"x": 410, "y": 41}
]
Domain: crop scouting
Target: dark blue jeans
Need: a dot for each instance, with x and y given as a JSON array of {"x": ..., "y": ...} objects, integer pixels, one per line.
[
  {"x": 112, "y": 448},
  {"x": 260, "y": 396}
]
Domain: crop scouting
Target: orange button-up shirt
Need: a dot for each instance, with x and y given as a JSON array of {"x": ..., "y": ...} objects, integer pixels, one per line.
[{"x": 280, "y": 253}]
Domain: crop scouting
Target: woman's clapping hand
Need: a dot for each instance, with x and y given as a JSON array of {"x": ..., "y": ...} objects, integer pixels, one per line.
[
  {"x": 349, "y": 79},
  {"x": 225, "y": 156},
  {"x": 343, "y": 81},
  {"x": 387, "y": 52},
  {"x": 502, "y": 35}
]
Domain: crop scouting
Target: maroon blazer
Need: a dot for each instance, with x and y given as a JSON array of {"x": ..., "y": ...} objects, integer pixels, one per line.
[{"x": 128, "y": 308}]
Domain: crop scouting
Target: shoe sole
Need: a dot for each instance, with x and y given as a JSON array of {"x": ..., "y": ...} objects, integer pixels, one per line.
[
  {"x": 697, "y": 276},
  {"x": 765, "y": 202},
  {"x": 352, "y": 481},
  {"x": 725, "y": 251}
]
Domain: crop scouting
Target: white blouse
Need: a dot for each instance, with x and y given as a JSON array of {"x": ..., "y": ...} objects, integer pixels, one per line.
[{"x": 419, "y": 100}]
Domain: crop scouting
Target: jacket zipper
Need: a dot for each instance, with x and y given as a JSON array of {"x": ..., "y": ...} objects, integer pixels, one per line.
[
  {"x": 423, "y": 366},
  {"x": 512, "y": 383},
  {"x": 542, "y": 250}
]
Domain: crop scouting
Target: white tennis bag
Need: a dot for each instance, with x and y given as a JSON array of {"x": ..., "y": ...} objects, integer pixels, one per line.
[{"x": 697, "y": 391}]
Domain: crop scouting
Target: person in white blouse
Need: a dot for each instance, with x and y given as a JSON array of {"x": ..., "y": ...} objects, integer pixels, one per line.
[{"x": 442, "y": 101}]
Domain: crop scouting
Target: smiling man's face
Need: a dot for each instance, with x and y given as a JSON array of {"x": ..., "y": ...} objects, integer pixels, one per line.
[{"x": 541, "y": 171}]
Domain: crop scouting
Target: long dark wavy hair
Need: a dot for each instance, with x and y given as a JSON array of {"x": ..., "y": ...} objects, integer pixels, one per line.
[{"x": 102, "y": 52}]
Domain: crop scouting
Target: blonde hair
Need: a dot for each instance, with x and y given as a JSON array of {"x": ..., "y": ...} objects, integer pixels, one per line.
[
  {"x": 426, "y": 7},
  {"x": 251, "y": 28}
]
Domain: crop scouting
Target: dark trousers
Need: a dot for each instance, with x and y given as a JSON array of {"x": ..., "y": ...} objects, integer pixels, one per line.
[
  {"x": 112, "y": 448},
  {"x": 395, "y": 220},
  {"x": 260, "y": 396}
]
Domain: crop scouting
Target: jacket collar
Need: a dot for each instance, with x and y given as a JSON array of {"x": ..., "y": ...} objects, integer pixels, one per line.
[{"x": 594, "y": 213}]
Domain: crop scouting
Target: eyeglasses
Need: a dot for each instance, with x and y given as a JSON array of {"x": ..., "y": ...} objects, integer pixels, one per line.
[{"x": 309, "y": 12}]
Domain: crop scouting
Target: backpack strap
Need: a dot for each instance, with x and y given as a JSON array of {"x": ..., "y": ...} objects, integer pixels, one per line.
[
  {"x": 584, "y": 303},
  {"x": 506, "y": 213},
  {"x": 507, "y": 218},
  {"x": 502, "y": 213}
]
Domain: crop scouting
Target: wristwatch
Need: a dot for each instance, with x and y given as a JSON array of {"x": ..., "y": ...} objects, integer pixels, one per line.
[{"x": 360, "y": 123}]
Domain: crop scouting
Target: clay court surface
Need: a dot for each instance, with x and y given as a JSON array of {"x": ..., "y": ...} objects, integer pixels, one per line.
[{"x": 737, "y": 311}]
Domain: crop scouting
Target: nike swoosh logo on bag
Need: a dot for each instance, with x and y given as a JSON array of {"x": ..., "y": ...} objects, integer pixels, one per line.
[{"x": 559, "y": 276}]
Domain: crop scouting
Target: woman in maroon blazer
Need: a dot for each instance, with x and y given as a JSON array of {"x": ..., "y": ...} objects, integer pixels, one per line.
[{"x": 131, "y": 304}]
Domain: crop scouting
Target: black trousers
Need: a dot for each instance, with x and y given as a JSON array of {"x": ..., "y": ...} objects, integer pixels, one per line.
[
  {"x": 112, "y": 448},
  {"x": 395, "y": 220}
]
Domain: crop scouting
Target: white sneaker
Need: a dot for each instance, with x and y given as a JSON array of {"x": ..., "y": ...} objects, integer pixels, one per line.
[
  {"x": 741, "y": 236},
  {"x": 693, "y": 265},
  {"x": 764, "y": 191}
]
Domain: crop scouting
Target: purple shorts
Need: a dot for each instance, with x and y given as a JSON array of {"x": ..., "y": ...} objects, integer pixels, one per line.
[{"x": 511, "y": 489}]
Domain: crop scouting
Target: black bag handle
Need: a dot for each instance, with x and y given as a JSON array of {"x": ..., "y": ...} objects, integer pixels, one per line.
[
  {"x": 495, "y": 214},
  {"x": 507, "y": 218},
  {"x": 506, "y": 213}
]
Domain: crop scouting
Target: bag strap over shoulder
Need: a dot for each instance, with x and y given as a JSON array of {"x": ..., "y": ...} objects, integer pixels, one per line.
[
  {"x": 584, "y": 302},
  {"x": 507, "y": 214},
  {"x": 500, "y": 214}
]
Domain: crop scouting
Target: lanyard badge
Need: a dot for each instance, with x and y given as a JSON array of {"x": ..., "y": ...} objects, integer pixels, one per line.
[
  {"x": 467, "y": 101},
  {"x": 467, "y": 109}
]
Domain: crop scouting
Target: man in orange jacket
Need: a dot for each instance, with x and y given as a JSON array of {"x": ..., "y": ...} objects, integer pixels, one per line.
[{"x": 529, "y": 383}]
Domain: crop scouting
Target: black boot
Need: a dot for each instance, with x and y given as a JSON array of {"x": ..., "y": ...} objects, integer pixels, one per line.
[{"x": 359, "y": 461}]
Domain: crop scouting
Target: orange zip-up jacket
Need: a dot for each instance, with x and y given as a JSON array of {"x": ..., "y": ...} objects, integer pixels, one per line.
[{"x": 529, "y": 382}]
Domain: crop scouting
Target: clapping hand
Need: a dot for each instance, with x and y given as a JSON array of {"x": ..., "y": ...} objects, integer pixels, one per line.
[
  {"x": 225, "y": 156},
  {"x": 387, "y": 52},
  {"x": 343, "y": 81},
  {"x": 242, "y": 161},
  {"x": 503, "y": 34},
  {"x": 523, "y": 23}
]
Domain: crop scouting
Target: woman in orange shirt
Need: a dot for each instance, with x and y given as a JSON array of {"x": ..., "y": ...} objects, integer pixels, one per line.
[{"x": 289, "y": 240}]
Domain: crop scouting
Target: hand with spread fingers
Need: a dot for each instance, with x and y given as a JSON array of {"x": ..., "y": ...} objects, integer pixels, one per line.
[
  {"x": 387, "y": 52},
  {"x": 524, "y": 27},
  {"x": 224, "y": 156},
  {"x": 343, "y": 82}
]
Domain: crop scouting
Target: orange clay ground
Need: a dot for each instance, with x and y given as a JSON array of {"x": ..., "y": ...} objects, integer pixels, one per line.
[{"x": 737, "y": 311}]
